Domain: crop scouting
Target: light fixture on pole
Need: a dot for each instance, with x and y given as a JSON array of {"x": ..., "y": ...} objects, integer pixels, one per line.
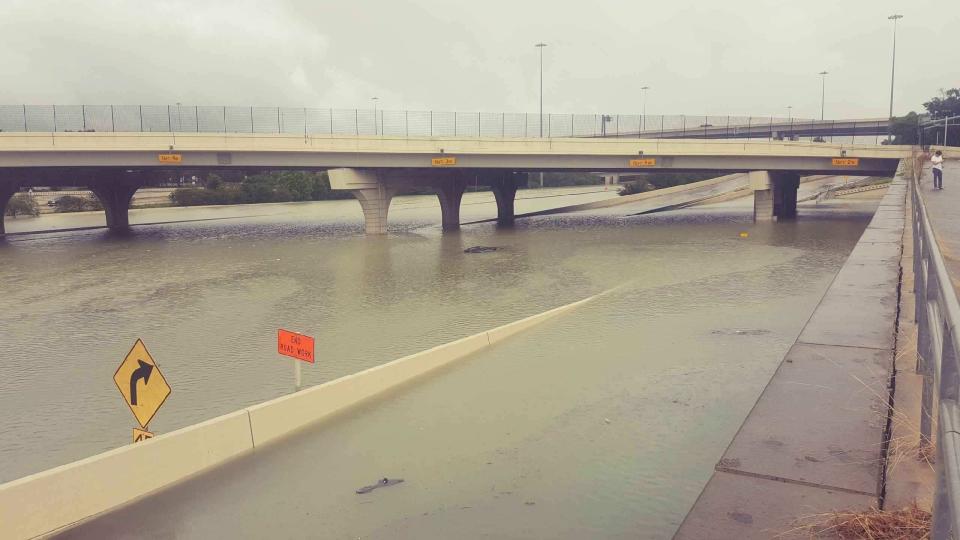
[
  {"x": 893, "y": 70},
  {"x": 823, "y": 91},
  {"x": 374, "y": 100},
  {"x": 541, "y": 46},
  {"x": 643, "y": 120}
]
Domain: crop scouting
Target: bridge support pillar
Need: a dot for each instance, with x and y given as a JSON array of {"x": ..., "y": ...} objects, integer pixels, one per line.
[
  {"x": 504, "y": 187},
  {"x": 7, "y": 191},
  {"x": 371, "y": 191},
  {"x": 450, "y": 192},
  {"x": 774, "y": 195},
  {"x": 115, "y": 197}
]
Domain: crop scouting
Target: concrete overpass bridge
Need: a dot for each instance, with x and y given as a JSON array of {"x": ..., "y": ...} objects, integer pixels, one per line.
[{"x": 114, "y": 165}]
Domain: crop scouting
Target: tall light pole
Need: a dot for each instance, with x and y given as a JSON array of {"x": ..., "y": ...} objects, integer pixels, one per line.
[
  {"x": 374, "y": 100},
  {"x": 823, "y": 91},
  {"x": 789, "y": 113},
  {"x": 541, "y": 46},
  {"x": 893, "y": 70},
  {"x": 643, "y": 126},
  {"x": 179, "y": 118}
]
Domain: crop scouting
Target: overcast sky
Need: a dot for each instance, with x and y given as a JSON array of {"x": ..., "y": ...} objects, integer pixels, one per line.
[{"x": 713, "y": 57}]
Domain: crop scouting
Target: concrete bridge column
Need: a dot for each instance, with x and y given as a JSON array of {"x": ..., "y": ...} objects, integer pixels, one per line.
[
  {"x": 774, "y": 195},
  {"x": 504, "y": 187},
  {"x": 7, "y": 191},
  {"x": 115, "y": 198},
  {"x": 371, "y": 191},
  {"x": 450, "y": 192}
]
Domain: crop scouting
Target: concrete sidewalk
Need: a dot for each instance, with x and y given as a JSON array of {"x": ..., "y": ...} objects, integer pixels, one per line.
[{"x": 814, "y": 440}]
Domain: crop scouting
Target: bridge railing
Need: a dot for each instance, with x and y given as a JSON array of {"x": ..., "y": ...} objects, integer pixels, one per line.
[
  {"x": 941, "y": 132},
  {"x": 318, "y": 121},
  {"x": 938, "y": 353}
]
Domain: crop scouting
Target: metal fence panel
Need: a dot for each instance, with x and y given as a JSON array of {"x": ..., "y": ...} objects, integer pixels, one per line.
[{"x": 374, "y": 122}]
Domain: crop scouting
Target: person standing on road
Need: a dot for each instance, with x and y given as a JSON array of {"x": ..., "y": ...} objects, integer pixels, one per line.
[{"x": 937, "y": 161}]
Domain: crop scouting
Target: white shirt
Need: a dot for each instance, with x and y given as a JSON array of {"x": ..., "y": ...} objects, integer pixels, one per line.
[{"x": 937, "y": 162}]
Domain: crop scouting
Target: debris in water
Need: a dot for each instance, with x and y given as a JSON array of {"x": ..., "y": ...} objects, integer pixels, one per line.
[
  {"x": 480, "y": 249},
  {"x": 383, "y": 482},
  {"x": 741, "y": 332},
  {"x": 606, "y": 420}
]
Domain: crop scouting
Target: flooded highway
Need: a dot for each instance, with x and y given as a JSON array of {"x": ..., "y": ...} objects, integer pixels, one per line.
[{"x": 605, "y": 422}]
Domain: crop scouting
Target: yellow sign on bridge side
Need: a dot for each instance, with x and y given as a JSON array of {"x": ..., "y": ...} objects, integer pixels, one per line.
[
  {"x": 443, "y": 161},
  {"x": 846, "y": 162},
  {"x": 170, "y": 158},
  {"x": 645, "y": 162}
]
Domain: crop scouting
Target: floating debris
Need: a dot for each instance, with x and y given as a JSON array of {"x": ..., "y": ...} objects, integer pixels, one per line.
[
  {"x": 735, "y": 332},
  {"x": 383, "y": 482},
  {"x": 480, "y": 249}
]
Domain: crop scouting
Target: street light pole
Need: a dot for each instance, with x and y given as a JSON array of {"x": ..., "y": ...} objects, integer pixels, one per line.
[
  {"x": 893, "y": 70},
  {"x": 643, "y": 127},
  {"x": 541, "y": 46},
  {"x": 823, "y": 91},
  {"x": 374, "y": 100}
]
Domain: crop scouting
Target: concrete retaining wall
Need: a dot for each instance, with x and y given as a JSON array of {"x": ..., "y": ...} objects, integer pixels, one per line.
[{"x": 45, "y": 502}]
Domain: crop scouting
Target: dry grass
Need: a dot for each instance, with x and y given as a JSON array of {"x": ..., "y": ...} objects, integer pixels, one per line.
[{"x": 910, "y": 523}]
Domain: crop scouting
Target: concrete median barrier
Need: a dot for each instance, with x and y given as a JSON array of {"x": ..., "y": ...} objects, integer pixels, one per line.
[{"x": 42, "y": 503}]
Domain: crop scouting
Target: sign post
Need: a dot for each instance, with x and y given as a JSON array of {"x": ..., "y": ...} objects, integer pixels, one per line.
[
  {"x": 298, "y": 346},
  {"x": 142, "y": 386}
]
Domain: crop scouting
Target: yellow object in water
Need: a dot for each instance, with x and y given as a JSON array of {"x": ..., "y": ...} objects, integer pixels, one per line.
[{"x": 744, "y": 234}]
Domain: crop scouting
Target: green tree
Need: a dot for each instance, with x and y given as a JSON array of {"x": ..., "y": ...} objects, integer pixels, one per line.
[
  {"x": 906, "y": 129},
  {"x": 944, "y": 106},
  {"x": 22, "y": 204},
  {"x": 72, "y": 203}
]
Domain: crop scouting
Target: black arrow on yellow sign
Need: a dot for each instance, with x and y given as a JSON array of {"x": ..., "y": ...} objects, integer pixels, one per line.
[{"x": 142, "y": 372}]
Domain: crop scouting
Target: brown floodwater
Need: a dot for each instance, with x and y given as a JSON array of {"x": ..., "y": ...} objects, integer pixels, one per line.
[{"x": 605, "y": 422}]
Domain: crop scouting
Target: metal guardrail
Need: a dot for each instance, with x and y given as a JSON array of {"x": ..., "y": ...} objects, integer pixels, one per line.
[
  {"x": 938, "y": 353},
  {"x": 310, "y": 121}
]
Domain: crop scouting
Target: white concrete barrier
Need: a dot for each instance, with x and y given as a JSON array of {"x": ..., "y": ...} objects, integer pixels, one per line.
[
  {"x": 44, "y": 502},
  {"x": 274, "y": 419},
  {"x": 51, "y": 500}
]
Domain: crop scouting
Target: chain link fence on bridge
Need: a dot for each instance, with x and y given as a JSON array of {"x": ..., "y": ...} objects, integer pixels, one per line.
[{"x": 371, "y": 122}]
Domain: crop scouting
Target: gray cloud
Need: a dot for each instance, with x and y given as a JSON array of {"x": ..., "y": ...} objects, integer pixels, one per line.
[{"x": 732, "y": 57}]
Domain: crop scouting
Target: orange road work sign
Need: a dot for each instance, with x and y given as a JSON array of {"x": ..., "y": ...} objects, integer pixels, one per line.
[{"x": 295, "y": 345}]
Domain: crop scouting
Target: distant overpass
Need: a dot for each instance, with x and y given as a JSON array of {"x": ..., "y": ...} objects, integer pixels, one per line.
[{"x": 754, "y": 128}]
